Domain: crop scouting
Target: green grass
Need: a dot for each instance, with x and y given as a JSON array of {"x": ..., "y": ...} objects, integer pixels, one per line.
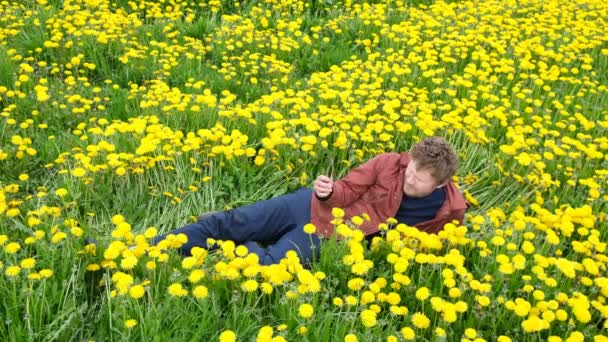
[
  {"x": 171, "y": 185},
  {"x": 8, "y": 70}
]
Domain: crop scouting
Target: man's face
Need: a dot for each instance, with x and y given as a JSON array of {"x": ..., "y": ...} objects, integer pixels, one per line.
[{"x": 418, "y": 183}]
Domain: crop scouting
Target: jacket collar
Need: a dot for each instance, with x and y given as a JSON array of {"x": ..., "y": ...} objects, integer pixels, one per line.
[{"x": 405, "y": 159}]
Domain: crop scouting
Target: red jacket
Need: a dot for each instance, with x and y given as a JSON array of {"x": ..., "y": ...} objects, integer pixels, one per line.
[{"x": 376, "y": 188}]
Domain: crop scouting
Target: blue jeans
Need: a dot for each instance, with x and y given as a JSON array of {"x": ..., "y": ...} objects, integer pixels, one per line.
[{"x": 277, "y": 223}]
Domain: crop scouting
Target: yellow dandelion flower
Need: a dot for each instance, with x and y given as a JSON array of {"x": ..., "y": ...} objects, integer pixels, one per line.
[
  {"x": 534, "y": 324},
  {"x": 420, "y": 320},
  {"x": 200, "y": 291},
  {"x": 422, "y": 293},
  {"x": 137, "y": 291},
  {"x": 408, "y": 333},
  {"x": 249, "y": 285},
  {"x": 34, "y": 276},
  {"x": 576, "y": 336},
  {"x": 454, "y": 292},
  {"x": 76, "y": 231},
  {"x": 337, "y": 212},
  {"x": 188, "y": 262},
  {"x": 241, "y": 251},
  {"x": 61, "y": 192},
  {"x": 28, "y": 263},
  {"x": 150, "y": 232},
  {"x": 306, "y": 310},
  {"x": 176, "y": 290},
  {"x": 368, "y": 318},
  {"x": 12, "y": 271},
  {"x": 470, "y": 333},
  {"x": 309, "y": 228},
  {"x": 351, "y": 300},
  {"x": 116, "y": 219},
  {"x": 128, "y": 263},
  {"x": 12, "y": 248},
  {"x": 351, "y": 338},
  {"x": 78, "y": 172},
  {"x": 482, "y": 300},
  {"x": 58, "y": 237},
  {"x": 130, "y": 323},
  {"x": 265, "y": 333},
  {"x": 93, "y": 267},
  {"x": 266, "y": 288},
  {"x": 120, "y": 171},
  {"x": 356, "y": 284},
  {"x": 196, "y": 275},
  {"x": 46, "y": 273}
]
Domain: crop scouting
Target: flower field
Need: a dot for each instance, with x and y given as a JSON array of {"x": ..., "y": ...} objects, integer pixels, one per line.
[{"x": 123, "y": 119}]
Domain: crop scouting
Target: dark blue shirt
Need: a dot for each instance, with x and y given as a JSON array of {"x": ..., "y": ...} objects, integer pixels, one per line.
[{"x": 414, "y": 210}]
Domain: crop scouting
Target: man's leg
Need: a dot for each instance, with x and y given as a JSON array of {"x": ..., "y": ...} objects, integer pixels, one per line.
[
  {"x": 306, "y": 245},
  {"x": 263, "y": 221}
]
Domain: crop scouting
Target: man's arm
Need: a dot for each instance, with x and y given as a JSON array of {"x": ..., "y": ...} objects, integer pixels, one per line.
[{"x": 350, "y": 187}]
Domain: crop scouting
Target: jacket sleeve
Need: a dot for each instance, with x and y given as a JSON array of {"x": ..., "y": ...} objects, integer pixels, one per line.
[
  {"x": 354, "y": 184},
  {"x": 459, "y": 215}
]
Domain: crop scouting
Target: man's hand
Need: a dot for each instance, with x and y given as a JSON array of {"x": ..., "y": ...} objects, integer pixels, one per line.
[{"x": 323, "y": 186}]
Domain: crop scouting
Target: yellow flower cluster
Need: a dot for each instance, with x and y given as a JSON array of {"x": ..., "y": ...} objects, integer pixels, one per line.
[{"x": 168, "y": 96}]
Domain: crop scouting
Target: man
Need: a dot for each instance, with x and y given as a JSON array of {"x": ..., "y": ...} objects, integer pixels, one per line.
[{"x": 414, "y": 187}]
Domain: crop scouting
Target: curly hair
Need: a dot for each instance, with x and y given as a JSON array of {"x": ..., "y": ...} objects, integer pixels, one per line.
[{"x": 435, "y": 154}]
